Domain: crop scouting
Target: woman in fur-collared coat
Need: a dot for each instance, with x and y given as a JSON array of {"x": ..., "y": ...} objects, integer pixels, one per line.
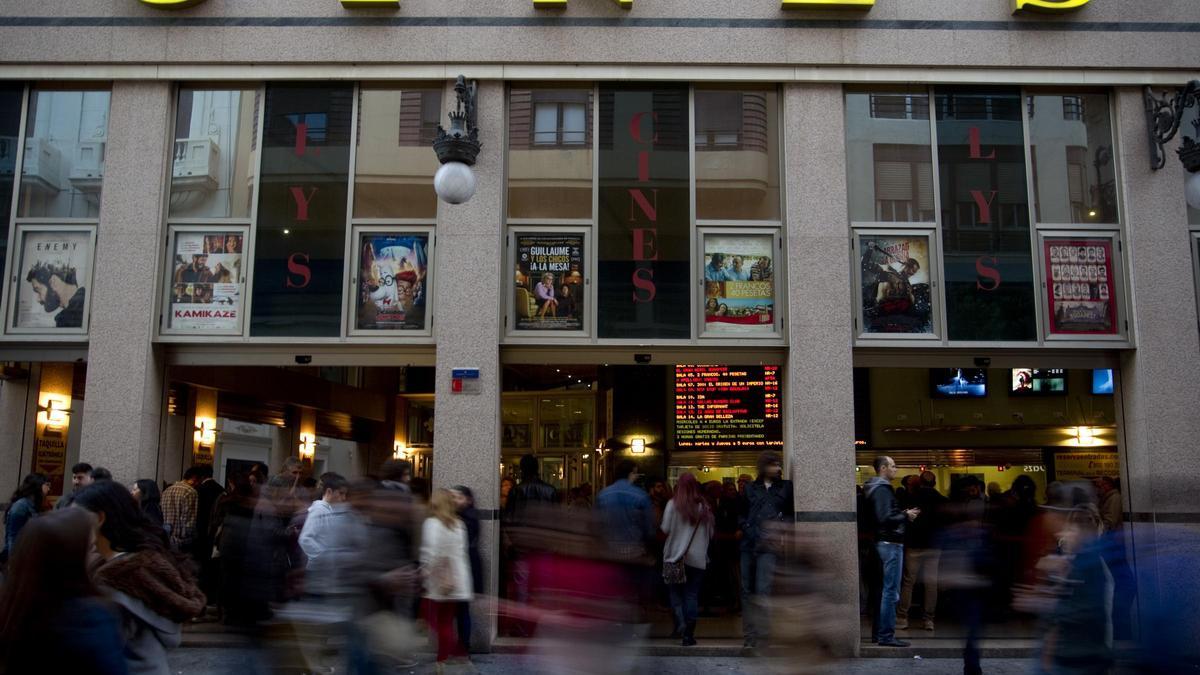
[{"x": 154, "y": 588}]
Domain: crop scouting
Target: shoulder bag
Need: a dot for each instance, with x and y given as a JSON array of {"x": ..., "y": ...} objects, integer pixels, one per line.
[{"x": 673, "y": 572}]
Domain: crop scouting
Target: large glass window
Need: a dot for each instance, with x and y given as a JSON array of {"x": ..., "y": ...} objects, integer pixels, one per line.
[
  {"x": 63, "y": 167},
  {"x": 737, "y": 154},
  {"x": 215, "y": 155},
  {"x": 644, "y": 222},
  {"x": 985, "y": 215},
  {"x": 300, "y": 236},
  {"x": 394, "y": 161},
  {"x": 1074, "y": 170},
  {"x": 889, "y": 158},
  {"x": 550, "y": 153},
  {"x": 11, "y": 97}
]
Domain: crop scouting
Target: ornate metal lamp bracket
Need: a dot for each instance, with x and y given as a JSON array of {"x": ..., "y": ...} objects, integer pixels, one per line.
[
  {"x": 1163, "y": 116},
  {"x": 461, "y": 143}
]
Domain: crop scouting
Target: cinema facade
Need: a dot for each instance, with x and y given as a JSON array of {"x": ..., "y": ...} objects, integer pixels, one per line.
[{"x": 699, "y": 230}]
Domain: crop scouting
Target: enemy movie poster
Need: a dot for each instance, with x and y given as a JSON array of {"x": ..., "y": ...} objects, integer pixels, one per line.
[
  {"x": 206, "y": 284},
  {"x": 1079, "y": 277},
  {"x": 393, "y": 268},
  {"x": 55, "y": 267},
  {"x": 896, "y": 295},
  {"x": 549, "y": 282},
  {"x": 739, "y": 284}
]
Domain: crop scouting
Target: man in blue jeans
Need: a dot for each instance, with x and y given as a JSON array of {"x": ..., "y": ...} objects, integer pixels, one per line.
[{"x": 890, "y": 522}]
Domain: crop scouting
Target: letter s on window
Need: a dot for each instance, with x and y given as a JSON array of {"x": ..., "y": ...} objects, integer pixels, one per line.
[
  {"x": 172, "y": 4},
  {"x": 1049, "y": 5}
]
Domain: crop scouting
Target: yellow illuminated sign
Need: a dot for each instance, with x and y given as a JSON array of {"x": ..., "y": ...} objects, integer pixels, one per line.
[
  {"x": 625, "y": 4},
  {"x": 172, "y": 4},
  {"x": 828, "y": 4},
  {"x": 1049, "y": 5}
]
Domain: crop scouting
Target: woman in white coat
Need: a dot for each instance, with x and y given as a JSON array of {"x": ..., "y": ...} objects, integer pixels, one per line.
[{"x": 446, "y": 570}]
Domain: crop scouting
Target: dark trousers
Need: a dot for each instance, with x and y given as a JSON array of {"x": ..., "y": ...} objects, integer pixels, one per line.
[
  {"x": 464, "y": 626},
  {"x": 685, "y": 597},
  {"x": 758, "y": 571}
]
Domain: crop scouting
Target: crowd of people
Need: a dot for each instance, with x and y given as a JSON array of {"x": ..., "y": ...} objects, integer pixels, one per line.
[{"x": 1001, "y": 556}]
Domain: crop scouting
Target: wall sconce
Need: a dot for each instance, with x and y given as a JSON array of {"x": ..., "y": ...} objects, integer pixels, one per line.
[
  {"x": 637, "y": 446},
  {"x": 457, "y": 149},
  {"x": 308, "y": 446},
  {"x": 54, "y": 415},
  {"x": 1163, "y": 117},
  {"x": 1085, "y": 437},
  {"x": 399, "y": 451},
  {"x": 205, "y": 431}
]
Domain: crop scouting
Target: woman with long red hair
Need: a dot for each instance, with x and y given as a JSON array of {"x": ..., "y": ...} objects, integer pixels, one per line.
[{"x": 688, "y": 523}]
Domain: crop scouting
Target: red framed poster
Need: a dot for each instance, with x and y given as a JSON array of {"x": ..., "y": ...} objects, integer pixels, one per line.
[{"x": 1080, "y": 285}]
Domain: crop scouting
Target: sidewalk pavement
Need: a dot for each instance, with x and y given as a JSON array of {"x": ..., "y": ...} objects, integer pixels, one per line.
[{"x": 214, "y": 661}]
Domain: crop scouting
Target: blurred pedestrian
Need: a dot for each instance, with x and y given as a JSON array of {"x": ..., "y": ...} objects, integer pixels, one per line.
[
  {"x": 627, "y": 519},
  {"x": 180, "y": 503},
  {"x": 688, "y": 522},
  {"x": 334, "y": 540},
  {"x": 149, "y": 499},
  {"x": 446, "y": 570},
  {"x": 26, "y": 502},
  {"x": 766, "y": 505},
  {"x": 152, "y": 585},
  {"x": 890, "y": 523},
  {"x": 1079, "y": 638},
  {"x": 464, "y": 503},
  {"x": 921, "y": 555},
  {"x": 52, "y": 616},
  {"x": 100, "y": 473},
  {"x": 525, "y": 503},
  {"x": 209, "y": 491}
]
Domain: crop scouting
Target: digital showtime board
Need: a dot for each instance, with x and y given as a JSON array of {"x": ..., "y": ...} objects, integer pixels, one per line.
[{"x": 727, "y": 408}]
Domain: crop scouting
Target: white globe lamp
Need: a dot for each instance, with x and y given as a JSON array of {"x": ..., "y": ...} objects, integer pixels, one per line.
[
  {"x": 454, "y": 183},
  {"x": 1191, "y": 190}
]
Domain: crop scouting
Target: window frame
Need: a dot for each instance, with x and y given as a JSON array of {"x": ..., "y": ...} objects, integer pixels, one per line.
[
  {"x": 1117, "y": 291},
  {"x": 937, "y": 311},
  {"x": 703, "y": 333},
  {"x": 350, "y": 318},
  {"x": 589, "y": 270}
]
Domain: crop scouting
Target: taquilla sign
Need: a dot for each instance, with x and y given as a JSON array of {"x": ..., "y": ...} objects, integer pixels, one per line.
[{"x": 864, "y": 5}]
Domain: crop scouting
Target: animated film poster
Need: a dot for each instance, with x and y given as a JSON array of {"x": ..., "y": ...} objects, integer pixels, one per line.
[
  {"x": 392, "y": 293},
  {"x": 52, "y": 290},
  {"x": 1079, "y": 282},
  {"x": 896, "y": 295},
  {"x": 739, "y": 284},
  {"x": 549, "y": 282},
  {"x": 206, "y": 288}
]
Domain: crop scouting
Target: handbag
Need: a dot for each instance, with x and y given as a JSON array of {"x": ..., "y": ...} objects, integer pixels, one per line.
[{"x": 674, "y": 572}]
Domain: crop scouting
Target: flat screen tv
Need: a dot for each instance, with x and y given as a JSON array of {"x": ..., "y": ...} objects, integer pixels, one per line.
[
  {"x": 957, "y": 382},
  {"x": 1102, "y": 382},
  {"x": 1038, "y": 382}
]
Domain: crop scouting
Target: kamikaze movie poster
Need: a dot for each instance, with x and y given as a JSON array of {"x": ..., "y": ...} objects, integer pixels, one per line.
[
  {"x": 739, "y": 284},
  {"x": 55, "y": 268},
  {"x": 393, "y": 270},
  {"x": 206, "y": 288},
  {"x": 549, "y": 282},
  {"x": 896, "y": 295}
]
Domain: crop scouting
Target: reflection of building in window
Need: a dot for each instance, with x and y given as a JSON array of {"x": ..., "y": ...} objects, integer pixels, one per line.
[
  {"x": 1073, "y": 108},
  {"x": 900, "y": 106},
  {"x": 903, "y": 183},
  {"x": 979, "y": 107},
  {"x": 965, "y": 181},
  {"x": 549, "y": 118},
  {"x": 728, "y": 120},
  {"x": 1077, "y": 181},
  {"x": 420, "y": 112}
]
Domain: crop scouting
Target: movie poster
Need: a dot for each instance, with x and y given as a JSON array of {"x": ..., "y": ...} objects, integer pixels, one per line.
[
  {"x": 896, "y": 296},
  {"x": 549, "y": 282},
  {"x": 206, "y": 282},
  {"x": 53, "y": 277},
  {"x": 739, "y": 284},
  {"x": 392, "y": 273},
  {"x": 1079, "y": 283}
]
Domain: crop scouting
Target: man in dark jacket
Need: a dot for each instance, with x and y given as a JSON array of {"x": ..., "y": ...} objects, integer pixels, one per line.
[
  {"x": 921, "y": 554},
  {"x": 766, "y": 504},
  {"x": 890, "y": 523}
]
